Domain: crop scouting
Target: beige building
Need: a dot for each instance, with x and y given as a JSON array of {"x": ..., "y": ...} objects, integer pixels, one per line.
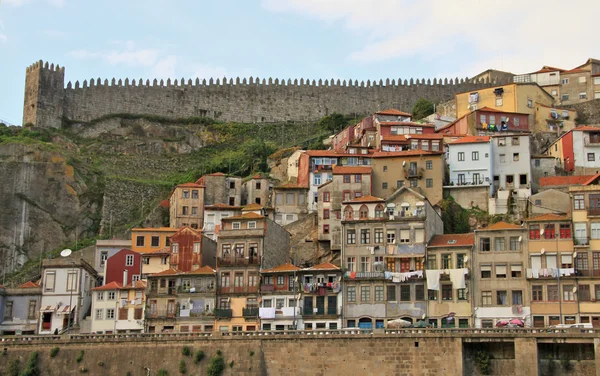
[
  {"x": 550, "y": 246},
  {"x": 578, "y": 84},
  {"x": 290, "y": 203},
  {"x": 186, "y": 206},
  {"x": 550, "y": 201},
  {"x": 257, "y": 190},
  {"x": 415, "y": 169},
  {"x": 553, "y": 119},
  {"x": 451, "y": 304},
  {"x": 118, "y": 309},
  {"x": 221, "y": 189},
  {"x": 348, "y": 183},
  {"x": 499, "y": 285}
]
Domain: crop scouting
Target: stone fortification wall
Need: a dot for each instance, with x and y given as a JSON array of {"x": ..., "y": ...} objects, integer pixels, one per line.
[{"x": 47, "y": 102}]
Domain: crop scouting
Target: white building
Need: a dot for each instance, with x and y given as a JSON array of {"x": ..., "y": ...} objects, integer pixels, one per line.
[
  {"x": 105, "y": 249},
  {"x": 213, "y": 214},
  {"x": 118, "y": 309},
  {"x": 470, "y": 162},
  {"x": 279, "y": 309},
  {"x": 66, "y": 285}
]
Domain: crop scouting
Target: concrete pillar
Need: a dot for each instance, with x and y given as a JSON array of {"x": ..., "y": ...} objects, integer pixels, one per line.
[
  {"x": 526, "y": 356},
  {"x": 597, "y": 355}
]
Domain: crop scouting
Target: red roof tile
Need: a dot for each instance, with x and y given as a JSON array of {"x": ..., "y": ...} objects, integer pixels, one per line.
[
  {"x": 136, "y": 285},
  {"x": 203, "y": 270},
  {"x": 164, "y": 204},
  {"x": 592, "y": 179},
  {"x": 252, "y": 207},
  {"x": 281, "y": 268},
  {"x": 471, "y": 140},
  {"x": 408, "y": 137},
  {"x": 387, "y": 123},
  {"x": 111, "y": 286},
  {"x": 576, "y": 70},
  {"x": 549, "y": 181},
  {"x": 502, "y": 226},
  {"x": 29, "y": 285},
  {"x": 324, "y": 266},
  {"x": 547, "y": 69},
  {"x": 362, "y": 170},
  {"x": 250, "y": 215},
  {"x": 190, "y": 185},
  {"x": 406, "y": 153},
  {"x": 170, "y": 271},
  {"x": 393, "y": 111},
  {"x": 452, "y": 240},
  {"x": 547, "y": 217},
  {"x": 367, "y": 198},
  {"x": 333, "y": 153},
  {"x": 587, "y": 128}
]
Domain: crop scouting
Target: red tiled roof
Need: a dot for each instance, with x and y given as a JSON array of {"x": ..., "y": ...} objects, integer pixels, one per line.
[
  {"x": 546, "y": 69},
  {"x": 281, "y": 268},
  {"x": 215, "y": 174},
  {"x": 111, "y": 286},
  {"x": 408, "y": 137},
  {"x": 406, "y": 153},
  {"x": 170, "y": 271},
  {"x": 564, "y": 180},
  {"x": 252, "y": 207},
  {"x": 576, "y": 70},
  {"x": 29, "y": 285},
  {"x": 592, "y": 179},
  {"x": 190, "y": 185},
  {"x": 471, "y": 140},
  {"x": 393, "y": 111},
  {"x": 502, "y": 226},
  {"x": 547, "y": 217},
  {"x": 333, "y": 153},
  {"x": 250, "y": 215},
  {"x": 136, "y": 285},
  {"x": 164, "y": 204},
  {"x": 452, "y": 240},
  {"x": 158, "y": 251},
  {"x": 587, "y": 128},
  {"x": 324, "y": 266},
  {"x": 203, "y": 270},
  {"x": 386, "y": 123},
  {"x": 362, "y": 170},
  {"x": 367, "y": 198}
]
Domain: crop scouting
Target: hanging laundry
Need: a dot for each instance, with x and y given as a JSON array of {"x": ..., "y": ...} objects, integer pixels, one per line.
[
  {"x": 529, "y": 273},
  {"x": 535, "y": 273},
  {"x": 388, "y": 275},
  {"x": 433, "y": 279},
  {"x": 457, "y": 277}
]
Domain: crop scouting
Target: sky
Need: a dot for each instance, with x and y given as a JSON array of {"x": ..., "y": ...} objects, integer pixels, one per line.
[{"x": 339, "y": 39}]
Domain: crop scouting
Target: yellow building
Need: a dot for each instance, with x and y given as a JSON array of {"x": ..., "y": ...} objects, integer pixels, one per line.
[
  {"x": 150, "y": 239},
  {"x": 186, "y": 206},
  {"x": 515, "y": 97},
  {"x": 553, "y": 119}
]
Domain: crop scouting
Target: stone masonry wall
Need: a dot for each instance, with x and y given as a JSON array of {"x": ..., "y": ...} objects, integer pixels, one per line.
[{"x": 245, "y": 100}]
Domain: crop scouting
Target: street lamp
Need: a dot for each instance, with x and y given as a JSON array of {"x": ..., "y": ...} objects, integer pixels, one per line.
[{"x": 66, "y": 253}]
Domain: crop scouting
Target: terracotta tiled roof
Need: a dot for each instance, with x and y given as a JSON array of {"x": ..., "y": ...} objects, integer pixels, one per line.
[
  {"x": 362, "y": 170},
  {"x": 547, "y": 217},
  {"x": 406, "y": 153},
  {"x": 110, "y": 286},
  {"x": 281, "y": 268},
  {"x": 170, "y": 271},
  {"x": 29, "y": 285},
  {"x": 333, "y": 153},
  {"x": 154, "y": 229},
  {"x": 576, "y": 70},
  {"x": 203, "y": 270},
  {"x": 592, "y": 179},
  {"x": 190, "y": 185},
  {"x": 216, "y": 174},
  {"x": 411, "y": 123},
  {"x": 324, "y": 266},
  {"x": 547, "y": 69},
  {"x": 408, "y": 137},
  {"x": 471, "y": 140},
  {"x": 452, "y": 240},
  {"x": 164, "y": 204},
  {"x": 587, "y": 128},
  {"x": 290, "y": 186},
  {"x": 393, "y": 111},
  {"x": 502, "y": 226},
  {"x": 250, "y": 215},
  {"x": 157, "y": 251},
  {"x": 367, "y": 198},
  {"x": 564, "y": 180},
  {"x": 252, "y": 207}
]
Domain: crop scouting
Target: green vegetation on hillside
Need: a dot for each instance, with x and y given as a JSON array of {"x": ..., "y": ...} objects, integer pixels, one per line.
[{"x": 422, "y": 109}]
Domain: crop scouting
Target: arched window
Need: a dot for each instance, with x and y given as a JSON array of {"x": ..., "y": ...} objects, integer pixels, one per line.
[
  {"x": 348, "y": 212},
  {"x": 363, "y": 213},
  {"x": 379, "y": 210}
]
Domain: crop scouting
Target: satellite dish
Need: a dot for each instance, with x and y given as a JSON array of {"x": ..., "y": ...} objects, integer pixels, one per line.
[
  {"x": 65, "y": 252},
  {"x": 403, "y": 163},
  {"x": 520, "y": 239},
  {"x": 423, "y": 317},
  {"x": 543, "y": 251},
  {"x": 574, "y": 254},
  {"x": 466, "y": 258},
  {"x": 574, "y": 289}
]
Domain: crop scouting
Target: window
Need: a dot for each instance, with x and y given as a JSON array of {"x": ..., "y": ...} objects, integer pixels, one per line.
[
  {"x": 579, "y": 202},
  {"x": 486, "y": 271},
  {"x": 365, "y": 236},
  {"x": 461, "y": 156},
  {"x": 517, "y": 297},
  {"x": 49, "y": 281},
  {"x": 568, "y": 295},
  {"x": 501, "y": 297},
  {"x": 194, "y": 210},
  {"x": 534, "y": 232},
  {"x": 365, "y": 293},
  {"x": 325, "y": 213},
  {"x": 378, "y": 236},
  {"x": 515, "y": 141},
  {"x": 502, "y": 158},
  {"x": 175, "y": 247},
  {"x": 364, "y": 263},
  {"x": 486, "y": 298},
  {"x": 583, "y": 293},
  {"x": 384, "y": 185},
  {"x": 351, "y": 237},
  {"x": 405, "y": 293},
  {"x": 357, "y": 178},
  {"x": 499, "y": 244},
  {"x": 99, "y": 314},
  {"x": 391, "y": 237},
  {"x": 325, "y": 229},
  {"x": 413, "y": 183},
  {"x": 185, "y": 210},
  {"x": 475, "y": 155},
  {"x": 516, "y": 157},
  {"x": 428, "y": 183},
  {"x": 379, "y": 211},
  {"x": 363, "y": 212},
  {"x": 591, "y": 157},
  {"x": 536, "y": 293},
  {"x": 110, "y": 314},
  {"x": 552, "y": 291},
  {"x": 565, "y": 231},
  {"x": 351, "y": 263},
  {"x": 346, "y": 178},
  {"x": 514, "y": 243},
  {"x": 72, "y": 281},
  {"x": 516, "y": 271},
  {"x": 129, "y": 260},
  {"x": 252, "y": 224},
  {"x": 429, "y": 165},
  {"x": 139, "y": 241},
  {"x": 446, "y": 261},
  {"x": 484, "y": 244},
  {"x": 236, "y": 225},
  {"x": 317, "y": 179},
  {"x": 498, "y": 101},
  {"x": 326, "y": 196},
  {"x": 391, "y": 293},
  {"x": 460, "y": 260},
  {"x": 446, "y": 292},
  {"x": 565, "y": 97},
  {"x": 379, "y": 293},
  {"x": 500, "y": 271},
  {"x": 583, "y": 95}
]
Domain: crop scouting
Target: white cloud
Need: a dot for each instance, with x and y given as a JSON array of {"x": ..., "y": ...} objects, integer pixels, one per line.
[
  {"x": 165, "y": 67},
  {"x": 500, "y": 33}
]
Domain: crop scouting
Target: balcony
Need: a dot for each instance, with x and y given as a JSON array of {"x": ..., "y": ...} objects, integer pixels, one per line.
[
  {"x": 250, "y": 312},
  {"x": 364, "y": 275},
  {"x": 579, "y": 241},
  {"x": 234, "y": 261},
  {"x": 587, "y": 273},
  {"x": 195, "y": 289},
  {"x": 221, "y": 313},
  {"x": 267, "y": 288},
  {"x": 592, "y": 140},
  {"x": 593, "y": 212},
  {"x": 414, "y": 173},
  {"x": 320, "y": 312}
]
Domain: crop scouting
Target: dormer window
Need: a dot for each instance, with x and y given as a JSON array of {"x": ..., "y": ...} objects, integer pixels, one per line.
[
  {"x": 252, "y": 224},
  {"x": 236, "y": 225}
]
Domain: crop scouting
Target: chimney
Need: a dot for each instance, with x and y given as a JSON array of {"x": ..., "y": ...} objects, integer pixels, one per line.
[{"x": 125, "y": 277}]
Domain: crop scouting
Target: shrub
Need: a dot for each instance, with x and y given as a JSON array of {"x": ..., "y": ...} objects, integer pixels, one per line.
[
  {"x": 186, "y": 350},
  {"x": 128, "y": 373},
  {"x": 162, "y": 372},
  {"x": 219, "y": 353},
  {"x": 80, "y": 356},
  {"x": 251, "y": 353},
  {"x": 101, "y": 363},
  {"x": 83, "y": 370},
  {"x": 182, "y": 367},
  {"x": 14, "y": 367},
  {"x": 31, "y": 368},
  {"x": 482, "y": 360},
  {"x": 54, "y": 351},
  {"x": 5, "y": 351},
  {"x": 216, "y": 366},
  {"x": 231, "y": 364},
  {"x": 199, "y": 356}
]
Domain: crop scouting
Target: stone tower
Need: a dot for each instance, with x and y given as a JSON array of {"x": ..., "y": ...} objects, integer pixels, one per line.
[{"x": 44, "y": 95}]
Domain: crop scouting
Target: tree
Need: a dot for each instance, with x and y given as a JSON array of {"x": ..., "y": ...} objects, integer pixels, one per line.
[
  {"x": 333, "y": 123},
  {"x": 422, "y": 108}
]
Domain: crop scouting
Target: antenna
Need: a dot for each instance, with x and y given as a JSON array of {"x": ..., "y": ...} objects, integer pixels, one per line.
[{"x": 65, "y": 252}]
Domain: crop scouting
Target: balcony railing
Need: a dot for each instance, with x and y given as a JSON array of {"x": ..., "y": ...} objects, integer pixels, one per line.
[
  {"x": 365, "y": 275},
  {"x": 267, "y": 288},
  {"x": 579, "y": 241},
  {"x": 250, "y": 312},
  {"x": 414, "y": 173},
  {"x": 223, "y": 313},
  {"x": 321, "y": 311},
  {"x": 593, "y": 211},
  {"x": 587, "y": 272},
  {"x": 224, "y": 261}
]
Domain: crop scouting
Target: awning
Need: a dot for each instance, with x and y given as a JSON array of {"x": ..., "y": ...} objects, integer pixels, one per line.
[
  {"x": 405, "y": 205},
  {"x": 420, "y": 203},
  {"x": 48, "y": 309},
  {"x": 64, "y": 310}
]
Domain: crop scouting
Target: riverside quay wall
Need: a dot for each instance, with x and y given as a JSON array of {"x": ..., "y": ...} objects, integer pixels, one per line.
[{"x": 387, "y": 352}]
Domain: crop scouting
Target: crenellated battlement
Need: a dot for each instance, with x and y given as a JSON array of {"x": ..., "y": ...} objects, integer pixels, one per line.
[{"x": 48, "y": 101}]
